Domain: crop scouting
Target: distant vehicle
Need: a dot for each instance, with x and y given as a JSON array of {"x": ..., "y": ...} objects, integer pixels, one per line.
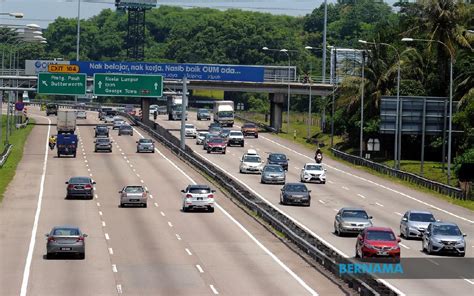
[
  {"x": 101, "y": 130},
  {"x": 174, "y": 105},
  {"x": 104, "y": 111},
  {"x": 278, "y": 158},
  {"x": 215, "y": 129},
  {"x": 162, "y": 110},
  {"x": 153, "y": 108},
  {"x": 118, "y": 122},
  {"x": 444, "y": 237},
  {"x": 295, "y": 193},
  {"x": 133, "y": 195},
  {"x": 80, "y": 187},
  {"x": 206, "y": 139},
  {"x": 414, "y": 223},
  {"x": 214, "y": 124},
  {"x": 377, "y": 242},
  {"x": 236, "y": 138},
  {"x": 203, "y": 114},
  {"x": 224, "y": 113},
  {"x": 66, "y": 144},
  {"x": 224, "y": 134},
  {"x": 108, "y": 118},
  {"x": 81, "y": 114},
  {"x": 65, "y": 240},
  {"x": 351, "y": 220},
  {"x": 120, "y": 109},
  {"x": 51, "y": 108},
  {"x": 190, "y": 130},
  {"x": 103, "y": 144},
  {"x": 250, "y": 129},
  {"x": 198, "y": 196},
  {"x": 200, "y": 137},
  {"x": 145, "y": 145},
  {"x": 273, "y": 173},
  {"x": 125, "y": 129},
  {"x": 313, "y": 172},
  {"x": 216, "y": 144},
  {"x": 66, "y": 121},
  {"x": 250, "y": 163}
]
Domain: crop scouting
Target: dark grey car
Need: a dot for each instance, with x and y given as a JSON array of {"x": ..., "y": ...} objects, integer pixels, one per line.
[
  {"x": 295, "y": 193},
  {"x": 351, "y": 220},
  {"x": 125, "y": 130},
  {"x": 203, "y": 114},
  {"x": 273, "y": 173},
  {"x": 103, "y": 144},
  {"x": 101, "y": 130},
  {"x": 278, "y": 158},
  {"x": 80, "y": 187},
  {"x": 66, "y": 240}
]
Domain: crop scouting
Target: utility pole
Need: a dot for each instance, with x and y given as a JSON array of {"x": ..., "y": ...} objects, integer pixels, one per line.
[{"x": 361, "y": 144}]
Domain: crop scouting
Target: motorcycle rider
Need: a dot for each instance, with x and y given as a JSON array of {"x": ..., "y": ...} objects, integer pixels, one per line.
[
  {"x": 52, "y": 142},
  {"x": 318, "y": 156},
  {"x": 155, "y": 114}
]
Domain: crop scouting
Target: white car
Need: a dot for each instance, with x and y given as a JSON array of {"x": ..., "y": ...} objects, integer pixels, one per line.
[
  {"x": 81, "y": 114},
  {"x": 118, "y": 122},
  {"x": 313, "y": 172},
  {"x": 190, "y": 130},
  {"x": 200, "y": 138},
  {"x": 153, "y": 108},
  {"x": 108, "y": 119},
  {"x": 236, "y": 138},
  {"x": 251, "y": 163},
  {"x": 198, "y": 196}
]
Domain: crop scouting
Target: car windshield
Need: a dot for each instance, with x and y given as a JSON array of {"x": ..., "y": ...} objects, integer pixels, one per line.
[
  {"x": 422, "y": 217},
  {"x": 296, "y": 188},
  {"x": 215, "y": 129},
  {"x": 380, "y": 236},
  {"x": 134, "y": 189},
  {"x": 273, "y": 169},
  {"x": 145, "y": 141},
  {"x": 101, "y": 128},
  {"x": 79, "y": 180},
  {"x": 355, "y": 214},
  {"x": 102, "y": 140},
  {"x": 314, "y": 167},
  {"x": 199, "y": 190},
  {"x": 189, "y": 126},
  {"x": 217, "y": 140},
  {"x": 126, "y": 127},
  {"x": 278, "y": 157},
  {"x": 446, "y": 230},
  {"x": 252, "y": 158},
  {"x": 226, "y": 113},
  {"x": 249, "y": 125},
  {"x": 203, "y": 111},
  {"x": 236, "y": 133},
  {"x": 66, "y": 231}
]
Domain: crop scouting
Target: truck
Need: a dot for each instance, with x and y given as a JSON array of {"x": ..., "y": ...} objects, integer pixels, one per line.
[
  {"x": 51, "y": 108},
  {"x": 66, "y": 144},
  {"x": 174, "y": 105},
  {"x": 224, "y": 113},
  {"x": 66, "y": 123}
]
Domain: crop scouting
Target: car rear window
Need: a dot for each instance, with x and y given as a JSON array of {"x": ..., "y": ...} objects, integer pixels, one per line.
[
  {"x": 101, "y": 128},
  {"x": 236, "y": 133},
  {"x": 314, "y": 167},
  {"x": 273, "y": 169},
  {"x": 277, "y": 156},
  {"x": 99, "y": 140},
  {"x": 200, "y": 190},
  {"x": 380, "y": 235},
  {"x": 145, "y": 141},
  {"x": 296, "y": 188},
  {"x": 134, "y": 189},
  {"x": 79, "y": 180},
  {"x": 249, "y": 125},
  {"x": 66, "y": 231},
  {"x": 355, "y": 214}
]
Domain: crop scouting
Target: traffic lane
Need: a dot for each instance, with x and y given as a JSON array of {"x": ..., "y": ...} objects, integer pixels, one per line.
[
  {"x": 213, "y": 236},
  {"x": 18, "y": 208}
]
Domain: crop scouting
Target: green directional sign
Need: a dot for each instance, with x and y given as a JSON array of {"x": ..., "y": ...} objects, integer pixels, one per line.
[
  {"x": 62, "y": 84},
  {"x": 128, "y": 85}
]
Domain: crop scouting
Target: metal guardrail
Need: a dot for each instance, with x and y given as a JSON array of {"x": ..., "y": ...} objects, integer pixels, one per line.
[
  {"x": 412, "y": 178},
  {"x": 305, "y": 241},
  {"x": 6, "y": 152}
]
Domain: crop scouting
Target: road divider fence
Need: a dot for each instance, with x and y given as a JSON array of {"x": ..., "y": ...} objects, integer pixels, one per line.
[{"x": 5, "y": 153}]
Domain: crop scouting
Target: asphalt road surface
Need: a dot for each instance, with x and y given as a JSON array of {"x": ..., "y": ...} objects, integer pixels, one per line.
[
  {"x": 386, "y": 201},
  {"x": 157, "y": 250}
]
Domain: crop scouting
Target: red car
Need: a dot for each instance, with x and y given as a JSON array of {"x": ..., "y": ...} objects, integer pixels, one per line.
[
  {"x": 216, "y": 144},
  {"x": 377, "y": 242}
]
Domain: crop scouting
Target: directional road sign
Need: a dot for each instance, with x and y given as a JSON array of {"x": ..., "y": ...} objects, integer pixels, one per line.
[
  {"x": 62, "y": 84},
  {"x": 125, "y": 85}
]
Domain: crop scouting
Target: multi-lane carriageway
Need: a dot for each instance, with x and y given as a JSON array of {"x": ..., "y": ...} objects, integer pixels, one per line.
[{"x": 161, "y": 251}]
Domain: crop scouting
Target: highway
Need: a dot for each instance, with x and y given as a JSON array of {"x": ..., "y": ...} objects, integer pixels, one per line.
[
  {"x": 157, "y": 250},
  {"x": 386, "y": 201}
]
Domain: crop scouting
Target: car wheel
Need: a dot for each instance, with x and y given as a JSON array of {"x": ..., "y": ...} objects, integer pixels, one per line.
[
  {"x": 82, "y": 256},
  {"x": 462, "y": 254},
  {"x": 256, "y": 136},
  {"x": 153, "y": 151},
  {"x": 428, "y": 249},
  {"x": 185, "y": 209},
  {"x": 223, "y": 152},
  {"x": 138, "y": 151},
  {"x": 95, "y": 150},
  {"x": 242, "y": 145},
  {"x": 323, "y": 182},
  {"x": 74, "y": 155},
  {"x": 122, "y": 205},
  {"x": 145, "y": 205},
  {"x": 308, "y": 204},
  {"x": 49, "y": 256},
  {"x": 282, "y": 200},
  {"x": 336, "y": 230},
  {"x": 208, "y": 151},
  {"x": 211, "y": 209}
]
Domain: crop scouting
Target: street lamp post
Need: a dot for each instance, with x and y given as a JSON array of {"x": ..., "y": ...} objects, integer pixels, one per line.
[
  {"x": 78, "y": 38},
  {"x": 361, "y": 140},
  {"x": 396, "y": 159},
  {"x": 451, "y": 62},
  {"x": 13, "y": 14}
]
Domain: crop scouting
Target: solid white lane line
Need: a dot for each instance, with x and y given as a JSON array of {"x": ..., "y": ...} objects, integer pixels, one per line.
[
  {"x": 162, "y": 214},
  {"x": 268, "y": 252},
  {"x": 29, "y": 256},
  {"x": 432, "y": 261},
  {"x": 188, "y": 251},
  {"x": 178, "y": 237},
  {"x": 397, "y": 213},
  {"x": 214, "y": 290},
  {"x": 379, "y": 204},
  {"x": 170, "y": 224},
  {"x": 156, "y": 205},
  {"x": 100, "y": 213},
  {"x": 107, "y": 237},
  {"x": 103, "y": 224},
  {"x": 322, "y": 201},
  {"x": 376, "y": 184},
  {"x": 111, "y": 251},
  {"x": 119, "y": 289},
  {"x": 360, "y": 195},
  {"x": 469, "y": 281},
  {"x": 406, "y": 247},
  {"x": 345, "y": 188},
  {"x": 199, "y": 268},
  {"x": 114, "y": 268}
]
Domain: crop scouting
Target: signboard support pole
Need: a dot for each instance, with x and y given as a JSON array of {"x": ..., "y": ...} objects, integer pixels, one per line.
[
  {"x": 183, "y": 112},
  {"x": 423, "y": 137}
]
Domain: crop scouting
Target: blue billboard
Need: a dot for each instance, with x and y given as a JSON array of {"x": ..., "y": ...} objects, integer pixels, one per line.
[{"x": 176, "y": 71}]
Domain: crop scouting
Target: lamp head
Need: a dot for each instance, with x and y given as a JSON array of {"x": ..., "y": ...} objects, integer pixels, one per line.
[
  {"x": 308, "y": 47},
  {"x": 362, "y": 41},
  {"x": 16, "y": 14},
  {"x": 265, "y": 48},
  {"x": 407, "y": 39},
  {"x": 284, "y": 50}
]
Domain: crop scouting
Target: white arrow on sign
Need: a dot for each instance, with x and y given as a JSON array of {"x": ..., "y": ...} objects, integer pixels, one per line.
[
  {"x": 100, "y": 84},
  {"x": 156, "y": 85},
  {"x": 44, "y": 83}
]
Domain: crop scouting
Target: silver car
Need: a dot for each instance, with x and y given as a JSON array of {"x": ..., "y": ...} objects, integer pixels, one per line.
[
  {"x": 200, "y": 138},
  {"x": 444, "y": 237},
  {"x": 273, "y": 173},
  {"x": 103, "y": 144},
  {"x": 198, "y": 196},
  {"x": 118, "y": 122},
  {"x": 145, "y": 145},
  {"x": 351, "y": 220},
  {"x": 133, "y": 195},
  {"x": 81, "y": 114},
  {"x": 313, "y": 172},
  {"x": 415, "y": 223},
  {"x": 190, "y": 130},
  {"x": 125, "y": 129},
  {"x": 65, "y": 240}
]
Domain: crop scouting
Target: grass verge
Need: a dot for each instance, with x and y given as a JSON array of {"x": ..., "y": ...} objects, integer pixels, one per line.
[{"x": 18, "y": 139}]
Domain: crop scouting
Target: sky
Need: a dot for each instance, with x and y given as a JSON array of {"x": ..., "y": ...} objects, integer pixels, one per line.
[{"x": 42, "y": 12}]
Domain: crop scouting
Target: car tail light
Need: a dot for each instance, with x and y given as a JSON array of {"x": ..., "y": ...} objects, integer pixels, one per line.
[
  {"x": 80, "y": 239},
  {"x": 51, "y": 239},
  {"x": 210, "y": 196},
  {"x": 189, "y": 196},
  {"x": 70, "y": 186},
  {"x": 88, "y": 186}
]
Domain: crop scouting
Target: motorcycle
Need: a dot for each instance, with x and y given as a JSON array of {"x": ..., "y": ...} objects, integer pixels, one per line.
[
  {"x": 51, "y": 145},
  {"x": 318, "y": 158}
]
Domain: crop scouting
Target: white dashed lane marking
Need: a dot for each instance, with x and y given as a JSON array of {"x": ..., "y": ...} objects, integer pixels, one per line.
[
  {"x": 114, "y": 268},
  {"x": 100, "y": 213},
  {"x": 322, "y": 201},
  {"x": 170, "y": 224},
  {"x": 162, "y": 214},
  {"x": 107, "y": 237},
  {"x": 188, "y": 251},
  {"x": 111, "y": 251},
  {"x": 214, "y": 290},
  {"x": 178, "y": 237},
  {"x": 379, "y": 204},
  {"x": 103, "y": 224},
  {"x": 156, "y": 205},
  {"x": 360, "y": 195},
  {"x": 397, "y": 213},
  {"x": 119, "y": 289},
  {"x": 406, "y": 247},
  {"x": 199, "y": 268},
  {"x": 345, "y": 188}
]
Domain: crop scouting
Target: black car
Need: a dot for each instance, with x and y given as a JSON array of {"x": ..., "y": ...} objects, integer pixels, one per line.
[
  {"x": 203, "y": 114},
  {"x": 214, "y": 124},
  {"x": 295, "y": 193},
  {"x": 125, "y": 129},
  {"x": 278, "y": 158},
  {"x": 51, "y": 108},
  {"x": 80, "y": 187},
  {"x": 101, "y": 130}
]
